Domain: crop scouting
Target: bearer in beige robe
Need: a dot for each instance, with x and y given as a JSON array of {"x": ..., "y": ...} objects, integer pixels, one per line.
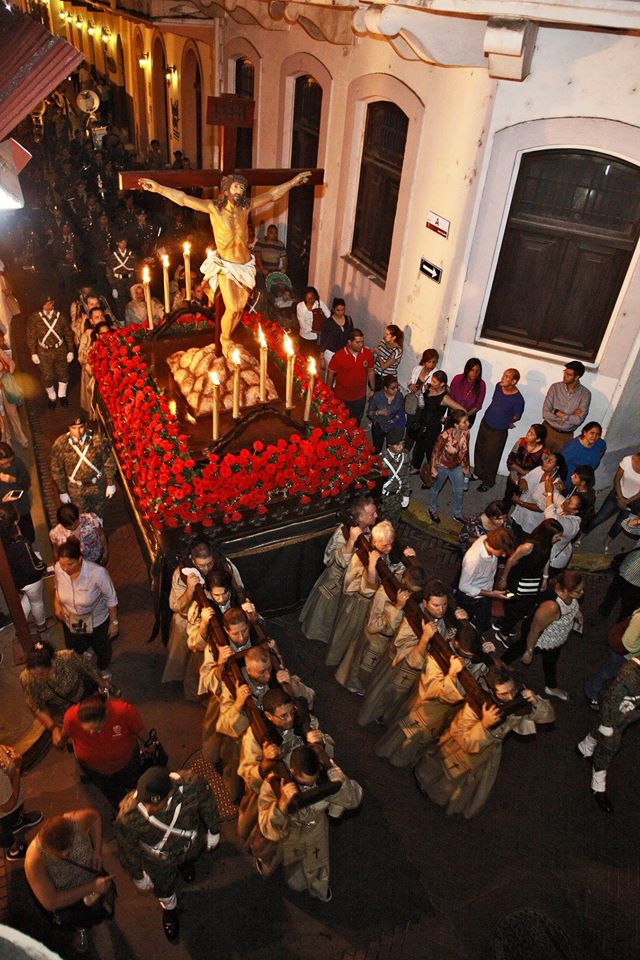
[
  {"x": 460, "y": 774},
  {"x": 303, "y": 835},
  {"x": 319, "y": 612}
]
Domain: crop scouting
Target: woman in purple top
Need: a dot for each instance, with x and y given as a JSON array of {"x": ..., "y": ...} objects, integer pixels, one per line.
[
  {"x": 504, "y": 410},
  {"x": 469, "y": 389}
]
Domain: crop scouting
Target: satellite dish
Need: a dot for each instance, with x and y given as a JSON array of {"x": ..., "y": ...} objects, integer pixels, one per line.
[{"x": 88, "y": 101}]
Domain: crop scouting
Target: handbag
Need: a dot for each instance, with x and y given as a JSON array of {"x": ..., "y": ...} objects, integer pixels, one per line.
[
  {"x": 153, "y": 754},
  {"x": 426, "y": 476},
  {"x": 411, "y": 404},
  {"x": 12, "y": 390},
  {"x": 82, "y": 914}
]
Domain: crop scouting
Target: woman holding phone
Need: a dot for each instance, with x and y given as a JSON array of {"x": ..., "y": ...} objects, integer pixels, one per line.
[{"x": 27, "y": 567}]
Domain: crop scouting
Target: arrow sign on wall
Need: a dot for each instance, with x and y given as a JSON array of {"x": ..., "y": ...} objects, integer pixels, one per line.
[{"x": 430, "y": 270}]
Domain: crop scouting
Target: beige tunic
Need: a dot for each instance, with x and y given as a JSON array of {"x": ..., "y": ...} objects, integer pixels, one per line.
[
  {"x": 319, "y": 612},
  {"x": 303, "y": 836},
  {"x": 460, "y": 774},
  {"x": 395, "y": 677},
  {"x": 432, "y": 706}
]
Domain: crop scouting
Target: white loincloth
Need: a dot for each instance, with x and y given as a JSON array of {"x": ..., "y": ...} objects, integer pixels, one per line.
[{"x": 243, "y": 274}]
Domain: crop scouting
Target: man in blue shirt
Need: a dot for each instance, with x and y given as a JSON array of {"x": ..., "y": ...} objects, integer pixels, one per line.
[{"x": 505, "y": 409}]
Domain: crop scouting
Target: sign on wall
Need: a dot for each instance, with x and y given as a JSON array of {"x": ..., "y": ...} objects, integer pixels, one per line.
[
  {"x": 438, "y": 224},
  {"x": 431, "y": 270}
]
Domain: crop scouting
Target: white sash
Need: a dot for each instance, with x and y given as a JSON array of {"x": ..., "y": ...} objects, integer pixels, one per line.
[
  {"x": 51, "y": 329},
  {"x": 395, "y": 474},
  {"x": 82, "y": 458}
]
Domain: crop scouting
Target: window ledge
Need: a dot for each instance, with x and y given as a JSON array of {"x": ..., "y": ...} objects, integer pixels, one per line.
[
  {"x": 524, "y": 351},
  {"x": 363, "y": 268}
]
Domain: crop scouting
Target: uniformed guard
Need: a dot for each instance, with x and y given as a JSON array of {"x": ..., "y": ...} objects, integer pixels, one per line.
[
  {"x": 161, "y": 829},
  {"x": 619, "y": 708},
  {"x": 121, "y": 268},
  {"x": 50, "y": 341},
  {"x": 83, "y": 468}
]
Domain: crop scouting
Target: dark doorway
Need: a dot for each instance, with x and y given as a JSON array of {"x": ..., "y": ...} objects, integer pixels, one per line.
[
  {"x": 245, "y": 76},
  {"x": 307, "y": 109},
  {"x": 573, "y": 226}
]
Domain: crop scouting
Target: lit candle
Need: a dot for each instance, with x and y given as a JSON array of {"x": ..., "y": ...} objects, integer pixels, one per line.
[
  {"x": 311, "y": 370},
  {"x": 288, "y": 349},
  {"x": 146, "y": 284},
  {"x": 235, "y": 359},
  {"x": 263, "y": 365},
  {"x": 165, "y": 278},
  {"x": 186, "y": 249},
  {"x": 215, "y": 383},
  {"x": 173, "y": 408}
]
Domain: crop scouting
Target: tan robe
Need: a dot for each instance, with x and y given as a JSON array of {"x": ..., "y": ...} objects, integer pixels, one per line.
[
  {"x": 319, "y": 612},
  {"x": 303, "y": 836},
  {"x": 432, "y": 706},
  {"x": 394, "y": 679},
  {"x": 460, "y": 773},
  {"x": 381, "y": 626}
]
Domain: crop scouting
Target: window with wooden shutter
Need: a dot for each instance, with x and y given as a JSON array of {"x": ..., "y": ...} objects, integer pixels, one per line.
[
  {"x": 380, "y": 172},
  {"x": 572, "y": 229}
]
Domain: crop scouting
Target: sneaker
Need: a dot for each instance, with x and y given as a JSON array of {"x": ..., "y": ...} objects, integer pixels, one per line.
[
  {"x": 556, "y": 692},
  {"x": 28, "y": 821},
  {"x": 17, "y": 853}
]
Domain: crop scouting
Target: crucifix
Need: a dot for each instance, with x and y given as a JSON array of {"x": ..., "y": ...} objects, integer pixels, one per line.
[{"x": 230, "y": 267}]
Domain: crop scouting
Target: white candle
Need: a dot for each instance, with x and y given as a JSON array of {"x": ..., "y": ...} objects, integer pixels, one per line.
[
  {"x": 146, "y": 284},
  {"x": 186, "y": 250},
  {"x": 263, "y": 365},
  {"x": 288, "y": 349},
  {"x": 235, "y": 359},
  {"x": 311, "y": 370},
  {"x": 215, "y": 383},
  {"x": 165, "y": 279}
]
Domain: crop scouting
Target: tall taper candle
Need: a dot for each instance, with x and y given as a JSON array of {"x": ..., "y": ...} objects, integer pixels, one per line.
[
  {"x": 146, "y": 286},
  {"x": 186, "y": 250},
  {"x": 235, "y": 359},
  {"x": 263, "y": 365},
  {"x": 288, "y": 349},
  {"x": 215, "y": 383},
  {"x": 311, "y": 370},
  {"x": 165, "y": 280}
]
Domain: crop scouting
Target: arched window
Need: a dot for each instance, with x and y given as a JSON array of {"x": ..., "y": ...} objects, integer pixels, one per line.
[
  {"x": 244, "y": 87},
  {"x": 305, "y": 137},
  {"x": 572, "y": 229},
  {"x": 380, "y": 171}
]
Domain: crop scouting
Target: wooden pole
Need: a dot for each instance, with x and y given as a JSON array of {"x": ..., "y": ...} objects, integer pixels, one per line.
[{"x": 13, "y": 602}]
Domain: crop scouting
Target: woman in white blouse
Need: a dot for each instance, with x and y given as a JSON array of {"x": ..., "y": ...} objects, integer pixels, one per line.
[
  {"x": 86, "y": 603},
  {"x": 305, "y": 313}
]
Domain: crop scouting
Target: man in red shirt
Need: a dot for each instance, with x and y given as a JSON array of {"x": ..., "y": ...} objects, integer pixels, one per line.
[
  {"x": 106, "y": 737},
  {"x": 350, "y": 372}
]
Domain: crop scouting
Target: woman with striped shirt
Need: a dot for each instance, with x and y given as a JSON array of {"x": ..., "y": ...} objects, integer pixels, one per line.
[{"x": 388, "y": 354}]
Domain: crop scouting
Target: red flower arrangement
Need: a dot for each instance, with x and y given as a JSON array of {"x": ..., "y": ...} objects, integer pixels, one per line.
[{"x": 172, "y": 490}]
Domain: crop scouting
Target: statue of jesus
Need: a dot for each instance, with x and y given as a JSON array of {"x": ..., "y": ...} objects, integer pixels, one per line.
[{"x": 231, "y": 266}]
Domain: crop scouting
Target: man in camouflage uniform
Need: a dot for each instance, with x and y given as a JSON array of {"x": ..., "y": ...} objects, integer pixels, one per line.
[
  {"x": 121, "y": 270},
  {"x": 83, "y": 468},
  {"x": 161, "y": 829},
  {"x": 50, "y": 341},
  {"x": 619, "y": 707},
  {"x": 396, "y": 489}
]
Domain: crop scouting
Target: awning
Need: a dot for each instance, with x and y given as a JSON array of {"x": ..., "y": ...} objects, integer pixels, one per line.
[{"x": 32, "y": 64}]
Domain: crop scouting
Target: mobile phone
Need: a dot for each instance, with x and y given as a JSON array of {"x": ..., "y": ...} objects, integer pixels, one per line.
[
  {"x": 508, "y": 594},
  {"x": 14, "y": 495}
]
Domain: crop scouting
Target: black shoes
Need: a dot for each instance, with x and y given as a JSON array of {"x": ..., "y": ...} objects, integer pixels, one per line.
[
  {"x": 601, "y": 798},
  {"x": 188, "y": 871},
  {"x": 485, "y": 486},
  {"x": 64, "y": 401},
  {"x": 16, "y": 853},
  {"x": 171, "y": 924},
  {"x": 435, "y": 517},
  {"x": 51, "y": 404}
]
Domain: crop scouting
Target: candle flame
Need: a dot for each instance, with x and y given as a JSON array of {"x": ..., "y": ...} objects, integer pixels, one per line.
[
  {"x": 165, "y": 261},
  {"x": 186, "y": 248},
  {"x": 262, "y": 340},
  {"x": 288, "y": 346},
  {"x": 146, "y": 276},
  {"x": 311, "y": 367},
  {"x": 215, "y": 379},
  {"x": 173, "y": 407},
  {"x": 235, "y": 357}
]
